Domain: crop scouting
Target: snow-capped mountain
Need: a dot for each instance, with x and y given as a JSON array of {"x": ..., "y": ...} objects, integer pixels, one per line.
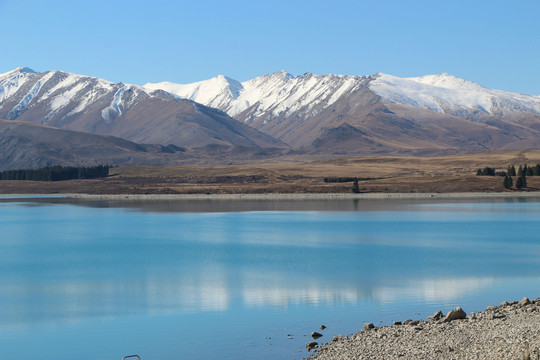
[
  {"x": 283, "y": 94},
  {"x": 448, "y": 94},
  {"x": 60, "y": 91},
  {"x": 82, "y": 103},
  {"x": 277, "y": 94},
  {"x": 217, "y": 92},
  {"x": 380, "y": 113},
  {"x": 299, "y": 110}
]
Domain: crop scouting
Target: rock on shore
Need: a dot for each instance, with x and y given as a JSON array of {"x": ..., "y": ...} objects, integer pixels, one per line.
[{"x": 508, "y": 331}]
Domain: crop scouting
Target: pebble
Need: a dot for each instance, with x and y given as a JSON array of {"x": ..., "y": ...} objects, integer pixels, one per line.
[{"x": 509, "y": 331}]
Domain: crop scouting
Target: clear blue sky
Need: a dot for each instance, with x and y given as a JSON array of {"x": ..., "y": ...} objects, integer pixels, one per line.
[{"x": 495, "y": 43}]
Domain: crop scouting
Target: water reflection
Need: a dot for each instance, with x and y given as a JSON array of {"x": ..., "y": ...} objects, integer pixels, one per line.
[
  {"x": 442, "y": 290},
  {"x": 65, "y": 263},
  {"x": 246, "y": 205},
  {"x": 217, "y": 289}
]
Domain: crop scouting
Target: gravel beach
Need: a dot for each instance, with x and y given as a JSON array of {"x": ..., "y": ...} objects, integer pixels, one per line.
[
  {"x": 312, "y": 196},
  {"x": 508, "y": 331},
  {"x": 285, "y": 196}
]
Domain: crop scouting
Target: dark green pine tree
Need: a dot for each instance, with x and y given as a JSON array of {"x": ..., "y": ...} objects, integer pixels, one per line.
[
  {"x": 519, "y": 183},
  {"x": 508, "y": 182},
  {"x": 355, "y": 188},
  {"x": 512, "y": 171},
  {"x": 520, "y": 171}
]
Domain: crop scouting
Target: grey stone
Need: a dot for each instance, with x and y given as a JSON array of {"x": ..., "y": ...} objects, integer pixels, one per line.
[
  {"x": 322, "y": 327},
  {"x": 455, "y": 314},
  {"x": 337, "y": 338},
  {"x": 368, "y": 326},
  {"x": 311, "y": 345},
  {"x": 436, "y": 317},
  {"x": 397, "y": 323},
  {"x": 316, "y": 335},
  {"x": 524, "y": 301},
  {"x": 486, "y": 337}
]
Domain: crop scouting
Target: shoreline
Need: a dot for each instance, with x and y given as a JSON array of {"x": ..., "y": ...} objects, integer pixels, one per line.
[
  {"x": 508, "y": 331},
  {"x": 283, "y": 196}
]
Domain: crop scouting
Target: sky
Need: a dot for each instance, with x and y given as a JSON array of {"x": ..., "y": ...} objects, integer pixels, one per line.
[{"x": 494, "y": 43}]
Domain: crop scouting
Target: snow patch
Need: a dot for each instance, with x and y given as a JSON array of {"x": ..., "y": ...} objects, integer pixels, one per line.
[
  {"x": 11, "y": 82},
  {"x": 14, "y": 113},
  {"x": 114, "y": 110},
  {"x": 449, "y": 94},
  {"x": 18, "y": 71},
  {"x": 63, "y": 99},
  {"x": 66, "y": 97},
  {"x": 66, "y": 81}
]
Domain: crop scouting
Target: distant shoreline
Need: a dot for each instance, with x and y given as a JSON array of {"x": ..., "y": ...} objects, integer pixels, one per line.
[{"x": 271, "y": 196}]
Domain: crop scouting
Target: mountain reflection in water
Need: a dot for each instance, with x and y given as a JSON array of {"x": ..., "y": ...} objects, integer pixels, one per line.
[{"x": 110, "y": 278}]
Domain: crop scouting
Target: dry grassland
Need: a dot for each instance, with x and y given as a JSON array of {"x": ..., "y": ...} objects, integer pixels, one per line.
[{"x": 300, "y": 175}]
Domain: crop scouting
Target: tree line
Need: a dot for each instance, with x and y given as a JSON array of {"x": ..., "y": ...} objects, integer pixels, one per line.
[
  {"x": 508, "y": 182},
  {"x": 345, "y": 179},
  {"x": 56, "y": 173},
  {"x": 511, "y": 171}
]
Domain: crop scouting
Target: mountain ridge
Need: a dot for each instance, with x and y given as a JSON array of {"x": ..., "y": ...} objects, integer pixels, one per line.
[
  {"x": 300, "y": 109},
  {"x": 93, "y": 105},
  {"x": 319, "y": 114},
  {"x": 381, "y": 81}
]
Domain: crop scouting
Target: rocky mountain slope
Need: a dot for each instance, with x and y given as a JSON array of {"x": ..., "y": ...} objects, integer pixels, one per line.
[
  {"x": 81, "y": 103},
  {"x": 321, "y": 114},
  {"x": 377, "y": 113},
  {"x": 26, "y": 146}
]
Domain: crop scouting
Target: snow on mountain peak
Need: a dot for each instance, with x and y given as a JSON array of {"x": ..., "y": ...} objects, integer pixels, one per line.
[
  {"x": 19, "y": 70},
  {"x": 448, "y": 81},
  {"x": 449, "y": 94},
  {"x": 283, "y": 74},
  {"x": 278, "y": 92},
  {"x": 275, "y": 95},
  {"x": 61, "y": 90},
  {"x": 11, "y": 81},
  {"x": 24, "y": 69},
  {"x": 214, "y": 92}
]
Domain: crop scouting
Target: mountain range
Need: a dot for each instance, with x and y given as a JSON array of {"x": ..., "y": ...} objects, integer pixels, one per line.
[
  {"x": 272, "y": 114},
  {"x": 82, "y": 103},
  {"x": 373, "y": 113}
]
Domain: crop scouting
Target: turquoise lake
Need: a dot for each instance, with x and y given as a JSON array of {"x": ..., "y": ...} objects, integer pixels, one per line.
[{"x": 233, "y": 279}]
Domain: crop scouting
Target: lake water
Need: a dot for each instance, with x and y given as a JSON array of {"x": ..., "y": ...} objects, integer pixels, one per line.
[{"x": 234, "y": 279}]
